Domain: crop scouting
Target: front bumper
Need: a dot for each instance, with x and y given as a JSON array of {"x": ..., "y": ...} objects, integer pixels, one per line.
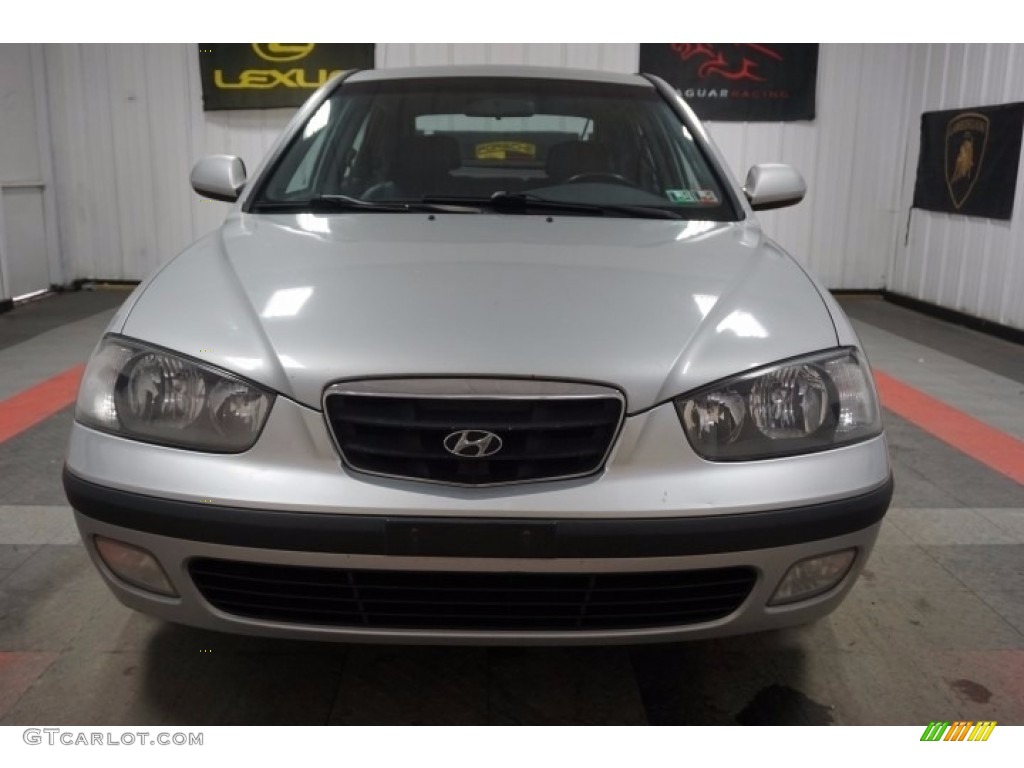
[
  {"x": 655, "y": 507},
  {"x": 178, "y": 533}
]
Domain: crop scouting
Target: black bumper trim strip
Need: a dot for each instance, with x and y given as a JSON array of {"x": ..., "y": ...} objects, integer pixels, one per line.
[{"x": 475, "y": 537}]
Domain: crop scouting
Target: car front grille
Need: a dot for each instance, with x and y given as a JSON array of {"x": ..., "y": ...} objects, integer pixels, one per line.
[
  {"x": 540, "y": 438},
  {"x": 470, "y": 600}
]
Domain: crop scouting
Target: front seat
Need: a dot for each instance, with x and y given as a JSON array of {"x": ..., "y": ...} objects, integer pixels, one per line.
[{"x": 423, "y": 166}]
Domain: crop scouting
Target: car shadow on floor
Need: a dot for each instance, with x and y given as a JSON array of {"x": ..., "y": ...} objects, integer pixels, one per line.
[{"x": 199, "y": 677}]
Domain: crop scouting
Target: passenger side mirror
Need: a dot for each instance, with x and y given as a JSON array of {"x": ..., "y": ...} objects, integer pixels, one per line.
[
  {"x": 774, "y": 185},
  {"x": 221, "y": 177}
]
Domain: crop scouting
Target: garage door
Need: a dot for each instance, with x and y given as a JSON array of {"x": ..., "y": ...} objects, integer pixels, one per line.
[{"x": 24, "y": 249}]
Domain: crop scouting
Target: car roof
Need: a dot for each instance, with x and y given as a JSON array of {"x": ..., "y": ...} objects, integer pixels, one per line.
[{"x": 552, "y": 73}]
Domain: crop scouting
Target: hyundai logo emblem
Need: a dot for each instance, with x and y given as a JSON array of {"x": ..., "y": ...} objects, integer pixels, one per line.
[{"x": 472, "y": 443}]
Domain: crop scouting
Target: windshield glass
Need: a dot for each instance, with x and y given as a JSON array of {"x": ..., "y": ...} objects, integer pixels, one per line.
[{"x": 468, "y": 140}]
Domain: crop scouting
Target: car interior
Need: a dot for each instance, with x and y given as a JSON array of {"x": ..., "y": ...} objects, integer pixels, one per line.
[{"x": 411, "y": 144}]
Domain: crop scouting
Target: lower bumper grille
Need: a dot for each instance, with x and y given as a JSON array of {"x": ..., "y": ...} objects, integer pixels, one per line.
[{"x": 461, "y": 600}]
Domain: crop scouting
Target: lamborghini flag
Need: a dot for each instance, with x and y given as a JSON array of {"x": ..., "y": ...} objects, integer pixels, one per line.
[{"x": 969, "y": 159}]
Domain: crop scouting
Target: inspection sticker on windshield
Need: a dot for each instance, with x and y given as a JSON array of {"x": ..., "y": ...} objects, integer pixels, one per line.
[
  {"x": 706, "y": 196},
  {"x": 681, "y": 195}
]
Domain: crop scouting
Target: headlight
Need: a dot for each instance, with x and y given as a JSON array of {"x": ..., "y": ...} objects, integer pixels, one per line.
[
  {"x": 153, "y": 395},
  {"x": 810, "y": 404}
]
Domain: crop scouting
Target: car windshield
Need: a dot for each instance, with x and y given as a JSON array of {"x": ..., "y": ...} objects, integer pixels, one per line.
[{"x": 582, "y": 147}]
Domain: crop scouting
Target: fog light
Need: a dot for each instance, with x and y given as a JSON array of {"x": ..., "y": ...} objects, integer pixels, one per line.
[
  {"x": 813, "y": 576},
  {"x": 134, "y": 565}
]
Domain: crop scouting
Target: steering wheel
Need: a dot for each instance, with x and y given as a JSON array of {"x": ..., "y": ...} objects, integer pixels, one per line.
[{"x": 612, "y": 178}]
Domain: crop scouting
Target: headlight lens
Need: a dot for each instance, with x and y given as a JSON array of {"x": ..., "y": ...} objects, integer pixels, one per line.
[
  {"x": 818, "y": 402},
  {"x": 149, "y": 394}
]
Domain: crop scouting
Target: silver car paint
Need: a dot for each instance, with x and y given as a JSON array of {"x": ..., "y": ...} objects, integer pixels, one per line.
[
  {"x": 654, "y": 307},
  {"x": 221, "y": 177},
  {"x": 616, "y": 301},
  {"x": 774, "y": 185},
  {"x": 652, "y": 472},
  {"x": 550, "y": 73}
]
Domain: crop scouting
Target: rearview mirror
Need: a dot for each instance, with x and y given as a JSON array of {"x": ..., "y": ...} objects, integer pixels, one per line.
[
  {"x": 221, "y": 177},
  {"x": 500, "y": 106},
  {"x": 774, "y": 185}
]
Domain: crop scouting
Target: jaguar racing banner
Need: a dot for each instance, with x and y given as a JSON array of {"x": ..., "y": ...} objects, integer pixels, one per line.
[
  {"x": 764, "y": 82},
  {"x": 268, "y": 75},
  {"x": 969, "y": 159}
]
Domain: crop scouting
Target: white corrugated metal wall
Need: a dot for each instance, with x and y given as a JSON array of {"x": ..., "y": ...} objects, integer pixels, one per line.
[
  {"x": 30, "y": 256},
  {"x": 970, "y": 264},
  {"x": 845, "y": 228},
  {"x": 145, "y": 101},
  {"x": 127, "y": 125}
]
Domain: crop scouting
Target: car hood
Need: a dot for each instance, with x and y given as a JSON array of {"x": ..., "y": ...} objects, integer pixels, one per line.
[{"x": 656, "y": 308}]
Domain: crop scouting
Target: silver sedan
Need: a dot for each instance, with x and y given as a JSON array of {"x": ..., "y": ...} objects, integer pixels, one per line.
[{"x": 483, "y": 355}]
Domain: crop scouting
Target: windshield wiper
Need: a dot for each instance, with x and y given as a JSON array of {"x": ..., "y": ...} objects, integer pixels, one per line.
[
  {"x": 521, "y": 202},
  {"x": 346, "y": 203}
]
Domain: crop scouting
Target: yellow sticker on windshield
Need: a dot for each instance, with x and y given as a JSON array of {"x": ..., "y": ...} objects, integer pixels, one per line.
[{"x": 506, "y": 150}]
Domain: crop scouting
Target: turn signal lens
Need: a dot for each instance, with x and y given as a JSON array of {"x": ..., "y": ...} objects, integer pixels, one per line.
[
  {"x": 813, "y": 576},
  {"x": 134, "y": 565}
]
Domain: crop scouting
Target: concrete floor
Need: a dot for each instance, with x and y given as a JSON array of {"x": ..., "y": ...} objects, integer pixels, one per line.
[{"x": 933, "y": 630}]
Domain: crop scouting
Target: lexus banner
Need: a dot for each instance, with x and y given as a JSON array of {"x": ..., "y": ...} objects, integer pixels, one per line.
[
  {"x": 969, "y": 159},
  {"x": 267, "y": 75},
  {"x": 739, "y": 81}
]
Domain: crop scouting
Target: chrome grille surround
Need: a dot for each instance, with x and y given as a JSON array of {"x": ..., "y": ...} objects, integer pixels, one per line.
[{"x": 535, "y": 418}]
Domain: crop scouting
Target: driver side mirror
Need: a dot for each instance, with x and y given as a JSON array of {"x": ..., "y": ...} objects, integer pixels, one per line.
[
  {"x": 774, "y": 185},
  {"x": 221, "y": 177}
]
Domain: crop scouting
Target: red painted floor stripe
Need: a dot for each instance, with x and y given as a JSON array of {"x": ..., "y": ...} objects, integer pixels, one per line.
[
  {"x": 29, "y": 407},
  {"x": 996, "y": 450},
  {"x": 18, "y": 670}
]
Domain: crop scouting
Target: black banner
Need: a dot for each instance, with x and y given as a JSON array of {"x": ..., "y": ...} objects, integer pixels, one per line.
[
  {"x": 969, "y": 159},
  {"x": 761, "y": 82},
  {"x": 268, "y": 75}
]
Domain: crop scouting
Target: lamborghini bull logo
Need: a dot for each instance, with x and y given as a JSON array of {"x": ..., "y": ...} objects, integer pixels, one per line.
[{"x": 966, "y": 138}]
